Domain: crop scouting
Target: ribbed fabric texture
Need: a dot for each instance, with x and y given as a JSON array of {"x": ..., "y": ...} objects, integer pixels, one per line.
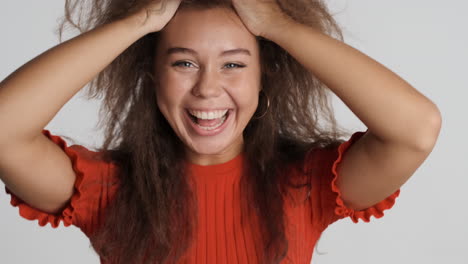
[{"x": 221, "y": 236}]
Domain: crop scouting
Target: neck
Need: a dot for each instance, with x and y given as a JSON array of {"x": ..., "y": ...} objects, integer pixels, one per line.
[{"x": 213, "y": 159}]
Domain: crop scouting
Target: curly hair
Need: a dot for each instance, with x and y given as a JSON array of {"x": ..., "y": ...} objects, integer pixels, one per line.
[{"x": 152, "y": 218}]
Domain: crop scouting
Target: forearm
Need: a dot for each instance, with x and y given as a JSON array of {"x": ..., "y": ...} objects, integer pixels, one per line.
[
  {"x": 390, "y": 107},
  {"x": 32, "y": 95}
]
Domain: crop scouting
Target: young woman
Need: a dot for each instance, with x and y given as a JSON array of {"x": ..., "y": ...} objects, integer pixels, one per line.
[{"x": 213, "y": 152}]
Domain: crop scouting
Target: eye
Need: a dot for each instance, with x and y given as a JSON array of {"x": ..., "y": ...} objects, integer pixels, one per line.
[
  {"x": 185, "y": 64},
  {"x": 234, "y": 65}
]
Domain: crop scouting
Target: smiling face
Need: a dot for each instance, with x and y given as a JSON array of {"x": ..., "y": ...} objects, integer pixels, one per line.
[{"x": 208, "y": 74}]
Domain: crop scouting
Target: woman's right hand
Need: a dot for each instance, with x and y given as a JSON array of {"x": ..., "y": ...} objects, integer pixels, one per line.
[
  {"x": 157, "y": 14},
  {"x": 40, "y": 88}
]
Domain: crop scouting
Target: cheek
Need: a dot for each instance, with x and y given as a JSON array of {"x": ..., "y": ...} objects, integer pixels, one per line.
[
  {"x": 171, "y": 90},
  {"x": 245, "y": 92}
]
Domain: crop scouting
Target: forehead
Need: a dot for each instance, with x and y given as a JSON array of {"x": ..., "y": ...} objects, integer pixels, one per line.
[{"x": 213, "y": 29}]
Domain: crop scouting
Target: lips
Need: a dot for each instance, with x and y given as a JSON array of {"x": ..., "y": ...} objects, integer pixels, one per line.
[{"x": 208, "y": 122}]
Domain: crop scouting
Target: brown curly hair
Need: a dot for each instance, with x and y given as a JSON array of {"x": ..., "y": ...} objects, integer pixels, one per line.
[{"x": 152, "y": 217}]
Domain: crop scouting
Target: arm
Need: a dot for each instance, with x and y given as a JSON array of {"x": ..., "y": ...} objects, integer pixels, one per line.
[
  {"x": 403, "y": 124},
  {"x": 390, "y": 107},
  {"x": 33, "y": 167},
  {"x": 40, "y": 88}
]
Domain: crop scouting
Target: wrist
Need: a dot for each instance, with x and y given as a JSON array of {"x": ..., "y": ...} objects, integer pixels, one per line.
[
  {"x": 136, "y": 23},
  {"x": 278, "y": 28},
  {"x": 286, "y": 34}
]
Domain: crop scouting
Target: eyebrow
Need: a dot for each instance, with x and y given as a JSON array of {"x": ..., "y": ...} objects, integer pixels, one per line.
[{"x": 193, "y": 52}]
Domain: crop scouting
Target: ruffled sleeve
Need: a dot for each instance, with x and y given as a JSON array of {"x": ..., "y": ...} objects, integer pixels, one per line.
[
  {"x": 329, "y": 207},
  {"x": 94, "y": 187}
]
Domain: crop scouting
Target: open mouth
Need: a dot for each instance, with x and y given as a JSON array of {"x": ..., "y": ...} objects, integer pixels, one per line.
[{"x": 208, "y": 120}]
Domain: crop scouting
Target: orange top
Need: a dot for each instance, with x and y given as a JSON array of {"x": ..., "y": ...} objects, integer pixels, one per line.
[{"x": 220, "y": 237}]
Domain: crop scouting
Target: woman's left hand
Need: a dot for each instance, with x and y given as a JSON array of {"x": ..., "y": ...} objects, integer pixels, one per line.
[{"x": 261, "y": 16}]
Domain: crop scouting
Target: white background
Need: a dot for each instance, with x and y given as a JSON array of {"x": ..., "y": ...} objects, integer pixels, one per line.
[{"x": 425, "y": 42}]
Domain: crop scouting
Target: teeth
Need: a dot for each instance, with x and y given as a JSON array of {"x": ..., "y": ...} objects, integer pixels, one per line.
[
  {"x": 213, "y": 127},
  {"x": 208, "y": 115}
]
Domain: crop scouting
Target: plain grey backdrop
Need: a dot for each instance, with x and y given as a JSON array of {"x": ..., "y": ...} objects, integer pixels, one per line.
[{"x": 424, "y": 41}]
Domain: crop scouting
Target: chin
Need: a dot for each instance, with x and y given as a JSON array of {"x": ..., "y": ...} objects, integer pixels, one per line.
[{"x": 210, "y": 148}]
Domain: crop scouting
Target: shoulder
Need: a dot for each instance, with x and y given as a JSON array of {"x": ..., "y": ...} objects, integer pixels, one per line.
[
  {"x": 95, "y": 186},
  {"x": 85, "y": 160}
]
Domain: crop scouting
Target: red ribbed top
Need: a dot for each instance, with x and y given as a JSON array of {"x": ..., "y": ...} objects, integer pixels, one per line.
[{"x": 221, "y": 235}]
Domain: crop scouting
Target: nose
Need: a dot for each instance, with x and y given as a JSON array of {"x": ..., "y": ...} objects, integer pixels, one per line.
[{"x": 208, "y": 84}]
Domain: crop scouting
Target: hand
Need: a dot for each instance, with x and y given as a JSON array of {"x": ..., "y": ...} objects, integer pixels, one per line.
[
  {"x": 261, "y": 16},
  {"x": 155, "y": 16}
]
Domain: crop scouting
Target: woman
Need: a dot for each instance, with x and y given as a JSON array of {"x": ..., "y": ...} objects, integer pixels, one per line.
[{"x": 213, "y": 107}]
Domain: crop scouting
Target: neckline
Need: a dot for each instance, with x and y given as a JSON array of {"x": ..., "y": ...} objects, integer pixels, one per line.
[{"x": 227, "y": 167}]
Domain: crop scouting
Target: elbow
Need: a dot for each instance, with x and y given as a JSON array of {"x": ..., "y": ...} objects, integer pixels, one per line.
[{"x": 431, "y": 132}]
